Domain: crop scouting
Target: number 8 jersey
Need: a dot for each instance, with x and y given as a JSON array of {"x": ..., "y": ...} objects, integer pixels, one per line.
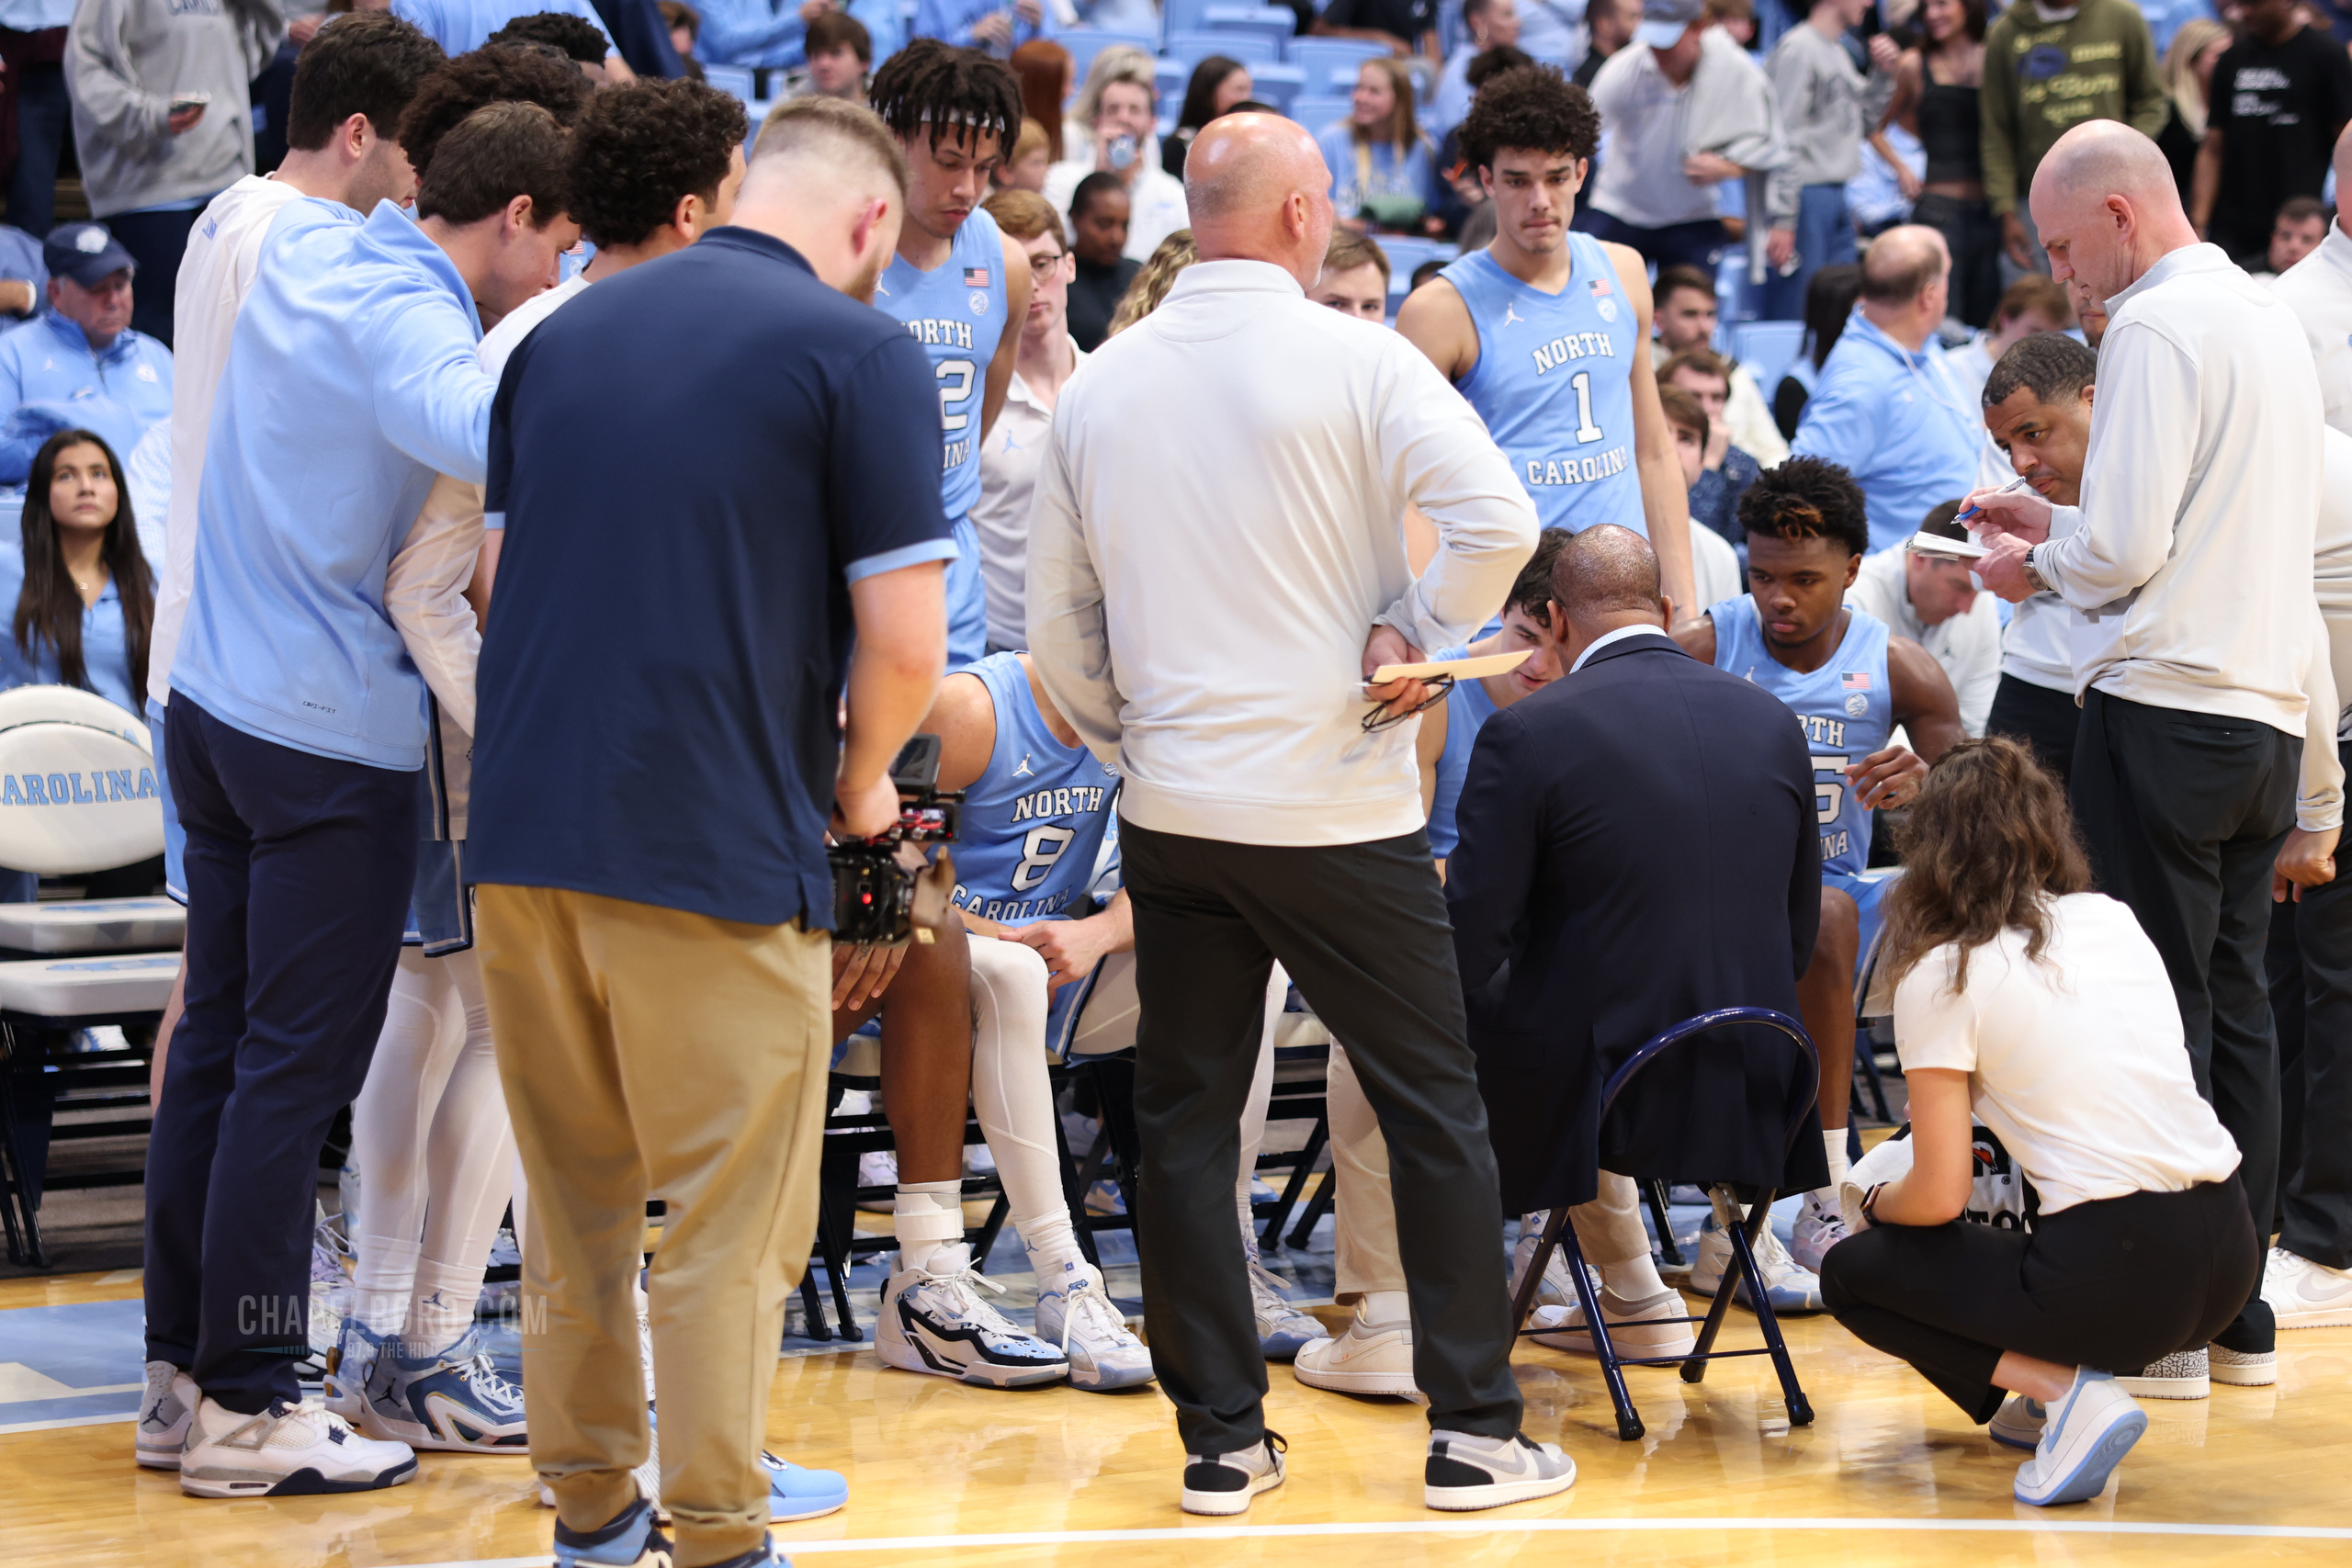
[
  {"x": 1844, "y": 706},
  {"x": 1554, "y": 383},
  {"x": 1032, "y": 826}
]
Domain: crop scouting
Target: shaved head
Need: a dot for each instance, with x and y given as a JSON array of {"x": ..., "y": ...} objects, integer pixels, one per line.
[
  {"x": 1606, "y": 571},
  {"x": 2107, "y": 206},
  {"x": 1258, "y": 190}
]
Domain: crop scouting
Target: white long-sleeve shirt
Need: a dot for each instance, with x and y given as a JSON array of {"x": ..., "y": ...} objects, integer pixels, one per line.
[
  {"x": 2199, "y": 500},
  {"x": 1201, "y": 587},
  {"x": 2318, "y": 288},
  {"x": 2318, "y": 798}
]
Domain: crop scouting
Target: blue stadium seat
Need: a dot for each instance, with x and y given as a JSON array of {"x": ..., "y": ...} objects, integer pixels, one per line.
[
  {"x": 1181, "y": 16},
  {"x": 1277, "y": 84},
  {"x": 734, "y": 79},
  {"x": 1765, "y": 348},
  {"x": 1331, "y": 63},
  {"x": 1275, "y": 23},
  {"x": 1085, "y": 43},
  {"x": 1253, "y": 49},
  {"x": 1315, "y": 112},
  {"x": 1171, "y": 76}
]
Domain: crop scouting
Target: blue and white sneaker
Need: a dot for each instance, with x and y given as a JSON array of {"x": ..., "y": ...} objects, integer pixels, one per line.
[
  {"x": 2088, "y": 1434},
  {"x": 350, "y": 1365},
  {"x": 454, "y": 1399},
  {"x": 165, "y": 1410},
  {"x": 1284, "y": 1328},
  {"x": 795, "y": 1492},
  {"x": 1077, "y": 1315},
  {"x": 633, "y": 1540},
  {"x": 2019, "y": 1423},
  {"x": 933, "y": 1320},
  {"x": 1794, "y": 1291}
]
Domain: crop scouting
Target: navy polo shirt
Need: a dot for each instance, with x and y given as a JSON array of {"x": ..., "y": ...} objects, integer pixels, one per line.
[{"x": 694, "y": 459}]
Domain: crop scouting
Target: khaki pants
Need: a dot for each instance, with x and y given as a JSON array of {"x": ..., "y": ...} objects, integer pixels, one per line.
[
  {"x": 1609, "y": 1229},
  {"x": 648, "y": 1051}
]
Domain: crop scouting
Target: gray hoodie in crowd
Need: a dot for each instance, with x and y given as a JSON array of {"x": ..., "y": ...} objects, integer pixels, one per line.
[
  {"x": 126, "y": 59},
  {"x": 1827, "y": 107}
]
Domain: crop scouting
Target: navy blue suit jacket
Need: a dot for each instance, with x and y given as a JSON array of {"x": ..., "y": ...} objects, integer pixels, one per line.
[{"x": 1638, "y": 846}]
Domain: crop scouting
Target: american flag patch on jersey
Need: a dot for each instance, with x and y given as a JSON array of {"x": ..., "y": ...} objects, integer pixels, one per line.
[
  {"x": 1857, "y": 680},
  {"x": 976, "y": 278},
  {"x": 1600, "y": 286}
]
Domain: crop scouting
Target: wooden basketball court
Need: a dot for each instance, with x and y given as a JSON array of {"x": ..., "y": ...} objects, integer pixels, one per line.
[{"x": 942, "y": 1473}]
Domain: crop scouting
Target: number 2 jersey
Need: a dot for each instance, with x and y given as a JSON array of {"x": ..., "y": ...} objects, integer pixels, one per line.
[
  {"x": 957, "y": 313},
  {"x": 1554, "y": 383},
  {"x": 1844, "y": 706}
]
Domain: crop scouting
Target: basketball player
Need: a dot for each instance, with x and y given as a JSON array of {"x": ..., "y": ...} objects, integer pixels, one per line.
[
  {"x": 956, "y": 282},
  {"x": 1849, "y": 682},
  {"x": 1037, "y": 813},
  {"x": 1547, "y": 331}
]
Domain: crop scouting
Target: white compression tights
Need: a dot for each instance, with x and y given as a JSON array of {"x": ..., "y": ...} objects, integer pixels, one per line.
[
  {"x": 435, "y": 1155},
  {"x": 1014, "y": 1099}
]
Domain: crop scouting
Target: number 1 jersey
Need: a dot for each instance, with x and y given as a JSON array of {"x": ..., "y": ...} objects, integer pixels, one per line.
[
  {"x": 1844, "y": 706},
  {"x": 1554, "y": 383}
]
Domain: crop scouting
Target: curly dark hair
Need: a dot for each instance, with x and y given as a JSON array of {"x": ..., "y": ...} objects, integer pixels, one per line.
[
  {"x": 1807, "y": 498},
  {"x": 492, "y": 74},
  {"x": 579, "y": 38},
  {"x": 642, "y": 146},
  {"x": 936, "y": 83},
  {"x": 1531, "y": 106}
]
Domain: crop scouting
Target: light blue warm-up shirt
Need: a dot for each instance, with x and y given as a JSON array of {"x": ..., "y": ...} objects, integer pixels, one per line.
[{"x": 351, "y": 382}]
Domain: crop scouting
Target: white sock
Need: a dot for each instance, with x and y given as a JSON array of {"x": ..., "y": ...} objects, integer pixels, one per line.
[
  {"x": 1635, "y": 1280},
  {"x": 928, "y": 1217},
  {"x": 441, "y": 1306},
  {"x": 1384, "y": 1309},
  {"x": 1832, "y": 1144},
  {"x": 384, "y": 1271}
]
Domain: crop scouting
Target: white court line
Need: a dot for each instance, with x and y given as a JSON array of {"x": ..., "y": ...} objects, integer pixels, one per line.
[
  {"x": 72, "y": 1420},
  {"x": 1494, "y": 1526}
]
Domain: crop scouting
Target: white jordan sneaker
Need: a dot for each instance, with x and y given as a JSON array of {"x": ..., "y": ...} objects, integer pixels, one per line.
[
  {"x": 165, "y": 1411},
  {"x": 1077, "y": 1316},
  {"x": 1284, "y": 1329},
  {"x": 1794, "y": 1290},
  {"x": 2180, "y": 1376},
  {"x": 1465, "y": 1471},
  {"x": 2304, "y": 1294},
  {"x": 1629, "y": 1335},
  {"x": 936, "y": 1322},
  {"x": 1820, "y": 1226},
  {"x": 1224, "y": 1484},
  {"x": 288, "y": 1451},
  {"x": 1556, "y": 1290},
  {"x": 1370, "y": 1358}
]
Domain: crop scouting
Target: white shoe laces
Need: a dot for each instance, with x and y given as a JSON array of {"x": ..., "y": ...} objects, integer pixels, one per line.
[
  {"x": 960, "y": 1291},
  {"x": 1266, "y": 1294},
  {"x": 1103, "y": 1320}
]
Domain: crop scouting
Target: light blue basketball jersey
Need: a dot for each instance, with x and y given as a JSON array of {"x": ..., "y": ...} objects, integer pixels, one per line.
[
  {"x": 1467, "y": 709},
  {"x": 957, "y": 313},
  {"x": 1554, "y": 383},
  {"x": 1030, "y": 837},
  {"x": 1845, "y": 708},
  {"x": 1031, "y": 826}
]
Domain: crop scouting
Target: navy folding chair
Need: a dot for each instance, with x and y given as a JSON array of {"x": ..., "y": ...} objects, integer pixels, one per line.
[{"x": 1558, "y": 1233}]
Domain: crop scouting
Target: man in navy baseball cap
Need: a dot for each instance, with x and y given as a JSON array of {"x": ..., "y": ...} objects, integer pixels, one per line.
[{"x": 81, "y": 364}]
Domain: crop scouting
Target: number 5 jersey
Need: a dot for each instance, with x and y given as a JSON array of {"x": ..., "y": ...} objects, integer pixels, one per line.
[{"x": 1844, "y": 706}]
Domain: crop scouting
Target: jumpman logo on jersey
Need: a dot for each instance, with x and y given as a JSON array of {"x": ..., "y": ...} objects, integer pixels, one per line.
[
  {"x": 1013, "y": 445},
  {"x": 1024, "y": 771},
  {"x": 878, "y": 288},
  {"x": 1511, "y": 315}
]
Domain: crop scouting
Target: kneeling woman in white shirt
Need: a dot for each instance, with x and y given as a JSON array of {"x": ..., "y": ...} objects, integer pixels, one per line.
[{"x": 2043, "y": 1008}]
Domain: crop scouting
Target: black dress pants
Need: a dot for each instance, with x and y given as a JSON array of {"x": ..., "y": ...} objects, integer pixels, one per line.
[
  {"x": 1362, "y": 931},
  {"x": 2311, "y": 994},
  {"x": 2044, "y": 719},
  {"x": 299, "y": 869},
  {"x": 2183, "y": 814},
  {"x": 2112, "y": 1284}
]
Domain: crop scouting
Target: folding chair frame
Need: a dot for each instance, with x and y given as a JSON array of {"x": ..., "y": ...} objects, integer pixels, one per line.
[{"x": 1558, "y": 1233}]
